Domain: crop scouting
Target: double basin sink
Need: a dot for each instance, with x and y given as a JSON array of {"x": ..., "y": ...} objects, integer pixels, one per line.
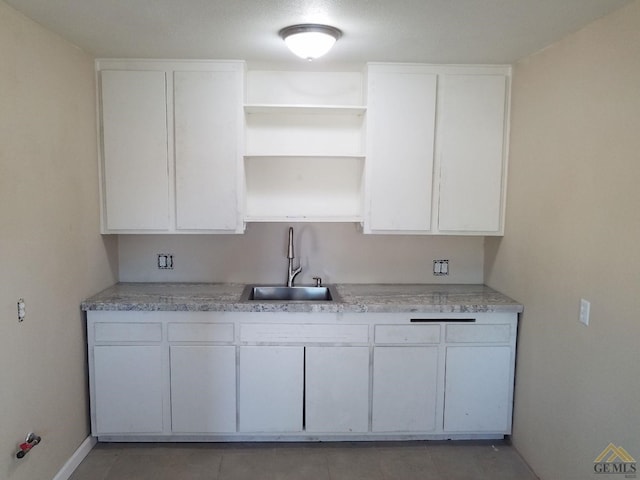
[{"x": 289, "y": 294}]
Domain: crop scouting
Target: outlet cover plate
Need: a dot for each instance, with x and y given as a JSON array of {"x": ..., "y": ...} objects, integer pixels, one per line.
[
  {"x": 440, "y": 267},
  {"x": 165, "y": 261}
]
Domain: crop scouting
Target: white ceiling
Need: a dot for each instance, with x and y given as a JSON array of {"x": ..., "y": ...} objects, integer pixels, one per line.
[{"x": 430, "y": 31}]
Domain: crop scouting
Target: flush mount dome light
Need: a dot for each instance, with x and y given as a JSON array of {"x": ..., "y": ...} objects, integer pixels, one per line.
[{"x": 310, "y": 40}]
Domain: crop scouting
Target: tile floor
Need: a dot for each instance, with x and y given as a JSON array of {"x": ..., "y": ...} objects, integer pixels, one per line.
[{"x": 304, "y": 461}]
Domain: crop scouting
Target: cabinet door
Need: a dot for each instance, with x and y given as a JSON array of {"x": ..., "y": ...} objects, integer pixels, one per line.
[
  {"x": 271, "y": 388},
  {"x": 135, "y": 158},
  {"x": 478, "y": 389},
  {"x": 337, "y": 389},
  {"x": 128, "y": 389},
  {"x": 207, "y": 109},
  {"x": 471, "y": 136},
  {"x": 404, "y": 389},
  {"x": 203, "y": 389},
  {"x": 400, "y": 140}
]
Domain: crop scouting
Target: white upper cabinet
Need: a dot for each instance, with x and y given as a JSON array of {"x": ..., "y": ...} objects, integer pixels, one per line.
[
  {"x": 400, "y": 138},
  {"x": 207, "y": 121},
  {"x": 188, "y": 147},
  {"x": 135, "y": 159},
  {"x": 171, "y": 146},
  {"x": 436, "y": 149},
  {"x": 471, "y": 152}
]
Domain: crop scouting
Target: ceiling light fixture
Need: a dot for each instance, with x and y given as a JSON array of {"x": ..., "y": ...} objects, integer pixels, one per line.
[{"x": 310, "y": 40}]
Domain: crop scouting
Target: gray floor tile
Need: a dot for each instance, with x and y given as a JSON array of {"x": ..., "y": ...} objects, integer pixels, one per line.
[
  {"x": 247, "y": 464},
  {"x": 171, "y": 466},
  {"x": 354, "y": 463},
  {"x": 301, "y": 464},
  {"x": 455, "y": 461},
  {"x": 503, "y": 463},
  {"x": 96, "y": 466},
  {"x": 284, "y": 463},
  {"x": 302, "y": 461},
  {"x": 479, "y": 461},
  {"x": 410, "y": 463}
]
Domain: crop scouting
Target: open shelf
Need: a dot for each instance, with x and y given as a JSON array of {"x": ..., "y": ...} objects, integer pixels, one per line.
[
  {"x": 304, "y": 146},
  {"x": 303, "y": 188},
  {"x": 296, "y": 133}
]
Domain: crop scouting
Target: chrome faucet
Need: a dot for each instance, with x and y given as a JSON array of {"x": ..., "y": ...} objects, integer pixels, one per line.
[{"x": 292, "y": 272}]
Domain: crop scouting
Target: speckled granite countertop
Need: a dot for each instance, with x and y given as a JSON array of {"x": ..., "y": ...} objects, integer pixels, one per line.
[{"x": 383, "y": 298}]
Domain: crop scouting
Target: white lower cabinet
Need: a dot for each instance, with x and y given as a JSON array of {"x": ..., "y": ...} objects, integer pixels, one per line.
[
  {"x": 478, "y": 385},
  {"x": 300, "y": 376},
  {"x": 312, "y": 389},
  {"x": 203, "y": 388},
  {"x": 128, "y": 384},
  {"x": 271, "y": 388},
  {"x": 337, "y": 389},
  {"x": 405, "y": 380}
]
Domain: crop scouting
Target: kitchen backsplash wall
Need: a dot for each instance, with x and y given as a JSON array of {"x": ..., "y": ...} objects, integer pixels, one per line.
[{"x": 338, "y": 253}]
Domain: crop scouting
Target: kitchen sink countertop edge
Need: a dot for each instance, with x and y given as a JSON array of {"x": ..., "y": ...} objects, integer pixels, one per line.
[{"x": 355, "y": 298}]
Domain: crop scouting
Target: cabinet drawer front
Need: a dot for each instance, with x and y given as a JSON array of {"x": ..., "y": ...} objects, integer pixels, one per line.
[
  {"x": 200, "y": 332},
  {"x": 127, "y": 332},
  {"x": 407, "y": 334},
  {"x": 478, "y": 333},
  {"x": 283, "y": 333}
]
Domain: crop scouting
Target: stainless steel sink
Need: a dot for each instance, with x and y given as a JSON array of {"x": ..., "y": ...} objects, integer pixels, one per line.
[{"x": 289, "y": 294}]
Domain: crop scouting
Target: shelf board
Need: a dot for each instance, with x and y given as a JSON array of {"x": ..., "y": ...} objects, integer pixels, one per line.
[
  {"x": 356, "y": 110},
  {"x": 303, "y": 218},
  {"x": 302, "y": 156}
]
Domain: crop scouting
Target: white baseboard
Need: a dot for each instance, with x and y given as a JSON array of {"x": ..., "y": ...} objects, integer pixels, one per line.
[{"x": 81, "y": 452}]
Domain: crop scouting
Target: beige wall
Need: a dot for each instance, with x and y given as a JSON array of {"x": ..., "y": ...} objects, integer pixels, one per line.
[
  {"x": 573, "y": 231},
  {"x": 336, "y": 252},
  {"x": 51, "y": 253}
]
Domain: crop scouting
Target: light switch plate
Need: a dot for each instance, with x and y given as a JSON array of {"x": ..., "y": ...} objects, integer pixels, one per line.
[
  {"x": 22, "y": 310},
  {"x": 585, "y": 310}
]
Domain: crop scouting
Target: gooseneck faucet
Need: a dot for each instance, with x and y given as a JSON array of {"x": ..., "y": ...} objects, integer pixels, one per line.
[{"x": 292, "y": 272}]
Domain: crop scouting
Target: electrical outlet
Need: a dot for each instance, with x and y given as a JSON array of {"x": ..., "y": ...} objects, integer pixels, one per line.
[
  {"x": 585, "y": 310},
  {"x": 165, "y": 261},
  {"x": 440, "y": 267}
]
